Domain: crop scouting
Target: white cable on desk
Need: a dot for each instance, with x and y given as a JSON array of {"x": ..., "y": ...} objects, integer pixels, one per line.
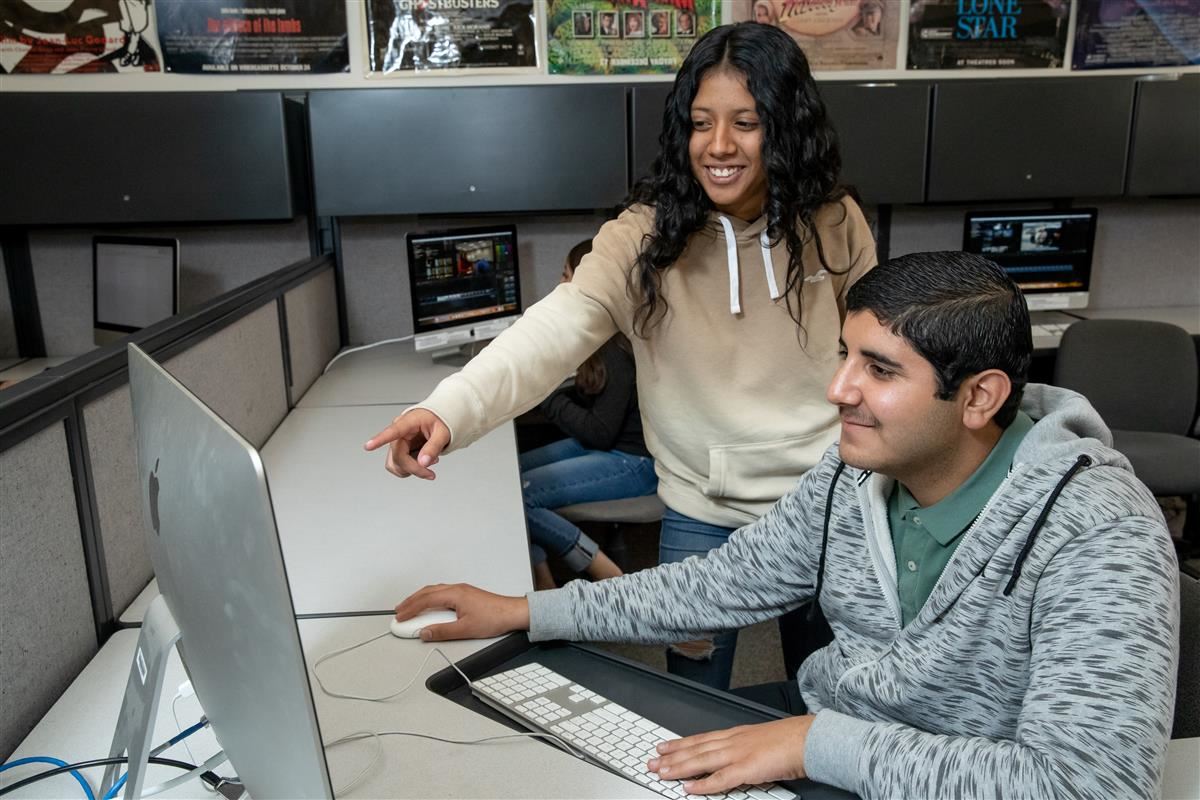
[
  {"x": 358, "y": 735},
  {"x": 364, "y": 347}
]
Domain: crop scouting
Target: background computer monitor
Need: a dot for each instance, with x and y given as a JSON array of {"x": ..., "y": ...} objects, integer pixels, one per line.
[
  {"x": 465, "y": 286},
  {"x": 1047, "y": 253},
  {"x": 210, "y": 529},
  {"x": 135, "y": 283}
]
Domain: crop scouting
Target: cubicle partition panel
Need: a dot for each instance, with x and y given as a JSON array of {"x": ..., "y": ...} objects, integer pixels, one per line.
[
  {"x": 214, "y": 259},
  {"x": 72, "y": 546},
  {"x": 46, "y": 621},
  {"x": 112, "y": 459},
  {"x": 238, "y": 373},
  {"x": 375, "y": 268},
  {"x": 311, "y": 323}
]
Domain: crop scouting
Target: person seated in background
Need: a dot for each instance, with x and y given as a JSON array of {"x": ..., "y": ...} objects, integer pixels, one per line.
[
  {"x": 1002, "y": 590},
  {"x": 605, "y": 457}
]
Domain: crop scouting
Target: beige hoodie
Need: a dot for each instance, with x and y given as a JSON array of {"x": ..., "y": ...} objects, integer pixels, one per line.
[{"x": 732, "y": 396}]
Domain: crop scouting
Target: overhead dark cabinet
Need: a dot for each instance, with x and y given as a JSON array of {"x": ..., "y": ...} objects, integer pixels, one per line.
[
  {"x": 1165, "y": 156},
  {"x": 134, "y": 157},
  {"x": 1017, "y": 139},
  {"x": 478, "y": 149},
  {"x": 649, "y": 102},
  {"x": 882, "y": 130}
]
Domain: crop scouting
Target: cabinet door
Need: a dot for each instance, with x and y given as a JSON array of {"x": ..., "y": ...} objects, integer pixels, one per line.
[
  {"x": 882, "y": 130},
  {"x": 649, "y": 101},
  {"x": 107, "y": 157},
  {"x": 478, "y": 149},
  {"x": 1035, "y": 138},
  {"x": 1165, "y": 156}
]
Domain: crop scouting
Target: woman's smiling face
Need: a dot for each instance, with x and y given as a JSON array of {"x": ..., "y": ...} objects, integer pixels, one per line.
[{"x": 725, "y": 148}]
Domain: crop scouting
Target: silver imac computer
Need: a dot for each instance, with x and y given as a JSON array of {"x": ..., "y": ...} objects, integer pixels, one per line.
[
  {"x": 211, "y": 533},
  {"x": 465, "y": 287},
  {"x": 135, "y": 283},
  {"x": 1047, "y": 253}
]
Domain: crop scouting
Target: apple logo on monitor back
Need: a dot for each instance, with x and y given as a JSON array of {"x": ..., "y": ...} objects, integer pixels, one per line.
[{"x": 154, "y": 497}]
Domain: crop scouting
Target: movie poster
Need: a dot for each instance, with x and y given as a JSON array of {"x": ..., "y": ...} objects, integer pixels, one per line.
[
  {"x": 406, "y": 36},
  {"x": 77, "y": 36},
  {"x": 834, "y": 34},
  {"x": 1136, "y": 33},
  {"x": 596, "y": 37},
  {"x": 987, "y": 34},
  {"x": 219, "y": 37}
]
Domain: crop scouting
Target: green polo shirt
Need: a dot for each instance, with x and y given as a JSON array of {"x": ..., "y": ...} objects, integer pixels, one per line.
[{"x": 925, "y": 538}]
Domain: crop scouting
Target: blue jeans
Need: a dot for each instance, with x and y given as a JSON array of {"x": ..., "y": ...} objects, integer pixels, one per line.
[
  {"x": 566, "y": 472},
  {"x": 682, "y": 537}
]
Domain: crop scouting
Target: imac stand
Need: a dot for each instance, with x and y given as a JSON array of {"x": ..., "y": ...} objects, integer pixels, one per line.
[{"x": 139, "y": 709}]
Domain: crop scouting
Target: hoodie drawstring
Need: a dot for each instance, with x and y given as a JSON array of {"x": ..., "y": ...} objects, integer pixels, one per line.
[
  {"x": 1080, "y": 463},
  {"x": 731, "y": 259},
  {"x": 764, "y": 242},
  {"x": 816, "y": 601}
]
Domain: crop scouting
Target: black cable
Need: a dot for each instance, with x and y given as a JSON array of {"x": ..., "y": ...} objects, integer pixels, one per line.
[{"x": 99, "y": 762}]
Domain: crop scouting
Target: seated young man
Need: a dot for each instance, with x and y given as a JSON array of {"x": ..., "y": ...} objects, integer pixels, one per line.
[{"x": 1001, "y": 588}]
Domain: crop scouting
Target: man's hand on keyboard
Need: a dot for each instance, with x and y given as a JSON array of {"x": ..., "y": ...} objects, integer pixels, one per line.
[
  {"x": 748, "y": 754},
  {"x": 481, "y": 615}
]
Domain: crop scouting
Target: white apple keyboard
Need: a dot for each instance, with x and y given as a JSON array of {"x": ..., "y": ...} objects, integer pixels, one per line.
[{"x": 609, "y": 735}]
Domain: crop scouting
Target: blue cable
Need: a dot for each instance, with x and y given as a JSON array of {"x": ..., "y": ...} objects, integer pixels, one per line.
[
  {"x": 112, "y": 793},
  {"x": 87, "y": 790}
]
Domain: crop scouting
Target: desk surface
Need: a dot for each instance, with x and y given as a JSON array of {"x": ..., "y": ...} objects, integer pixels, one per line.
[
  {"x": 357, "y": 539},
  {"x": 386, "y": 374},
  {"x": 80, "y": 725}
]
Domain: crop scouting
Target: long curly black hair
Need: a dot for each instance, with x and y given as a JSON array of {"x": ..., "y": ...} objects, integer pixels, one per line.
[{"x": 799, "y": 152}]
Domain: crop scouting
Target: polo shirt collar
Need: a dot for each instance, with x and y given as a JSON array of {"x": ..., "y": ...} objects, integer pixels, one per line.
[{"x": 946, "y": 519}]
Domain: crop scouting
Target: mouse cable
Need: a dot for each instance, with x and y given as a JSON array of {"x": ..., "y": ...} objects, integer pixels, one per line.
[
  {"x": 350, "y": 350},
  {"x": 375, "y": 735}
]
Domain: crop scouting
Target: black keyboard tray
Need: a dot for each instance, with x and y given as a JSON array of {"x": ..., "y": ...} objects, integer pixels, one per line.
[{"x": 675, "y": 703}]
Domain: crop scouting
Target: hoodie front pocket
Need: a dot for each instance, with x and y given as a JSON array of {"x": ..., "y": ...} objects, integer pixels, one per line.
[{"x": 763, "y": 471}]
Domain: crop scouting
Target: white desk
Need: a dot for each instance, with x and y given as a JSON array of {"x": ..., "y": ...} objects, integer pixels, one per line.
[
  {"x": 80, "y": 725},
  {"x": 356, "y": 538},
  {"x": 387, "y": 374}
]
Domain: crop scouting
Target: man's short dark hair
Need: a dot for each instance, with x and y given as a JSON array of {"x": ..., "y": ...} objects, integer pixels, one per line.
[{"x": 959, "y": 311}]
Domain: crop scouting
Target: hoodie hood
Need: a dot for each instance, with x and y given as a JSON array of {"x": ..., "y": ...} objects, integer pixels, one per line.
[{"x": 1066, "y": 427}]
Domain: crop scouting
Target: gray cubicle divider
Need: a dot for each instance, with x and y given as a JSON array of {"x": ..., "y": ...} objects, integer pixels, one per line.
[
  {"x": 46, "y": 619},
  {"x": 72, "y": 555},
  {"x": 311, "y": 326},
  {"x": 238, "y": 373}
]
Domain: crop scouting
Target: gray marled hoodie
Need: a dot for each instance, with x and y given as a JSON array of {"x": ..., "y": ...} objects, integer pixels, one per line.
[{"x": 1062, "y": 687}]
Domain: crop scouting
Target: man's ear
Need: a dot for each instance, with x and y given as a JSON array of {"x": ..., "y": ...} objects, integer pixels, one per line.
[{"x": 983, "y": 394}]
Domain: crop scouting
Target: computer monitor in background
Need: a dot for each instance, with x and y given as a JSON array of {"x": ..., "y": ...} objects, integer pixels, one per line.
[
  {"x": 465, "y": 286},
  {"x": 1047, "y": 253},
  {"x": 210, "y": 529},
  {"x": 135, "y": 283}
]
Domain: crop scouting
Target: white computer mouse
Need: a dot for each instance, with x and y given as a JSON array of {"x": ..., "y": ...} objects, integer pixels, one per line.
[{"x": 411, "y": 628}]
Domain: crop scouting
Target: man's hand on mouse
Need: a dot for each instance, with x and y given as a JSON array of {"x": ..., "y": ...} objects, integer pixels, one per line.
[
  {"x": 416, "y": 439},
  {"x": 481, "y": 615}
]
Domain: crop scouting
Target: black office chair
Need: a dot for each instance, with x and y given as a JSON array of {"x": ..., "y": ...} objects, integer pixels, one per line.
[{"x": 1142, "y": 378}]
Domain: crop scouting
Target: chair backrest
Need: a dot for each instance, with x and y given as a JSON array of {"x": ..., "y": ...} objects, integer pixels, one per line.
[
  {"x": 1187, "y": 692},
  {"x": 1140, "y": 376}
]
